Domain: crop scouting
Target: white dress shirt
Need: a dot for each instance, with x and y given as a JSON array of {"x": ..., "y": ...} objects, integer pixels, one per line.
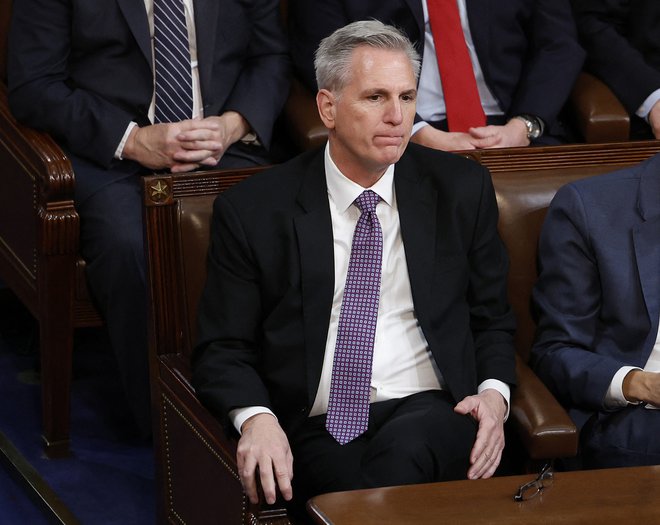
[
  {"x": 430, "y": 99},
  {"x": 402, "y": 362}
]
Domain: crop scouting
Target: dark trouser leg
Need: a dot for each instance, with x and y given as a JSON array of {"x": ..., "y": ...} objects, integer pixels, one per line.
[
  {"x": 627, "y": 437},
  {"x": 418, "y": 439},
  {"x": 113, "y": 246}
]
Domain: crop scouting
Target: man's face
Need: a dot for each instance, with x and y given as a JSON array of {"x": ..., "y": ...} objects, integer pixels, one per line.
[{"x": 371, "y": 118}]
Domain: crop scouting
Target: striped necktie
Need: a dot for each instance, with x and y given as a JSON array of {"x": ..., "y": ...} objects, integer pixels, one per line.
[{"x": 174, "y": 100}]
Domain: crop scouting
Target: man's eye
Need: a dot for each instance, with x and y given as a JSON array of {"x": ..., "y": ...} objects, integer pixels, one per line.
[{"x": 374, "y": 98}]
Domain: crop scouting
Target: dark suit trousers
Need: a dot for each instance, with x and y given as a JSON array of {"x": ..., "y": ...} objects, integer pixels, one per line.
[
  {"x": 416, "y": 439},
  {"x": 112, "y": 244},
  {"x": 624, "y": 438}
]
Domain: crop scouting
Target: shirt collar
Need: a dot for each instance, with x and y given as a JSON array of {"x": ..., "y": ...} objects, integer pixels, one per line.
[{"x": 343, "y": 191}]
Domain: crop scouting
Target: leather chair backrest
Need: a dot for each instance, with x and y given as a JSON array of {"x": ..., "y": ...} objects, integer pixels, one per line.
[{"x": 194, "y": 215}]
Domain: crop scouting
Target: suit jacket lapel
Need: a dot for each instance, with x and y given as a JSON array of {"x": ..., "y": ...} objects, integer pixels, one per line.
[
  {"x": 415, "y": 7},
  {"x": 417, "y": 203},
  {"x": 646, "y": 238},
  {"x": 136, "y": 18},
  {"x": 478, "y": 12},
  {"x": 206, "y": 29},
  {"x": 314, "y": 230}
]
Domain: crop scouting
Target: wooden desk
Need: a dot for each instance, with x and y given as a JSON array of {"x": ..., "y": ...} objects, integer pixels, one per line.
[{"x": 616, "y": 496}]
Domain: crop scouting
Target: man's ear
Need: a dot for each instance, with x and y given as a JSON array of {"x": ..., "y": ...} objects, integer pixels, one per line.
[{"x": 327, "y": 105}]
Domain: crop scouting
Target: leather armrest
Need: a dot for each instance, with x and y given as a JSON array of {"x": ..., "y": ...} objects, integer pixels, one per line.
[
  {"x": 302, "y": 117},
  {"x": 544, "y": 427},
  {"x": 599, "y": 115}
]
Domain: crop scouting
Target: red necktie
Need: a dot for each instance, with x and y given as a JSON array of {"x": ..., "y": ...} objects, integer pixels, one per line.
[{"x": 458, "y": 83}]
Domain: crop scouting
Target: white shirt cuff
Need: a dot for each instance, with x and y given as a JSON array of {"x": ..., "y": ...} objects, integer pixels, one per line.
[
  {"x": 120, "y": 149},
  {"x": 502, "y": 388},
  {"x": 238, "y": 416},
  {"x": 614, "y": 397},
  {"x": 648, "y": 104}
]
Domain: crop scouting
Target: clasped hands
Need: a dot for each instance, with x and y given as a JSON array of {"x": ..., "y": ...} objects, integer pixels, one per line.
[
  {"x": 512, "y": 134},
  {"x": 186, "y": 145},
  {"x": 264, "y": 456}
]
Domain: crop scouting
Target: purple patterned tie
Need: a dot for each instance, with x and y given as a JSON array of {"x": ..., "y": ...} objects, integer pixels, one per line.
[
  {"x": 348, "y": 406},
  {"x": 174, "y": 100}
]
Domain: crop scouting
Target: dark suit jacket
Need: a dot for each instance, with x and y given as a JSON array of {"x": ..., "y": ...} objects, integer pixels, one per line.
[
  {"x": 82, "y": 70},
  {"x": 622, "y": 41},
  {"x": 264, "y": 314},
  {"x": 598, "y": 292},
  {"x": 527, "y": 49}
]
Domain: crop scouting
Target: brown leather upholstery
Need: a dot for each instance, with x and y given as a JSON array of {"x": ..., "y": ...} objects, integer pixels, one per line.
[
  {"x": 197, "y": 476},
  {"x": 39, "y": 258},
  {"x": 599, "y": 115}
]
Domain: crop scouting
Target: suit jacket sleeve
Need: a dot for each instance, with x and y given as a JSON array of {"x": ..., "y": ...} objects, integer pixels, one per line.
[
  {"x": 225, "y": 361},
  {"x": 491, "y": 317},
  {"x": 41, "y": 93},
  {"x": 568, "y": 299},
  {"x": 606, "y": 30},
  {"x": 552, "y": 60},
  {"x": 262, "y": 85}
]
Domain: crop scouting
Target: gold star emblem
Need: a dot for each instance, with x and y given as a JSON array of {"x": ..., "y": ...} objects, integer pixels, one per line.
[{"x": 160, "y": 191}]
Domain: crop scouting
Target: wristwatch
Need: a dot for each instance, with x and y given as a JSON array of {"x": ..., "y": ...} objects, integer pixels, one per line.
[{"x": 534, "y": 125}]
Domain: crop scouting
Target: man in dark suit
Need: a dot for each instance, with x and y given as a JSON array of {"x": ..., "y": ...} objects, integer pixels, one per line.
[
  {"x": 281, "y": 271},
  {"x": 84, "y": 72},
  {"x": 622, "y": 41},
  {"x": 524, "y": 54},
  {"x": 598, "y": 300}
]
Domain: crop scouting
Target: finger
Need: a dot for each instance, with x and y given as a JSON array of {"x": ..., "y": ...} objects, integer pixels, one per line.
[
  {"x": 267, "y": 480},
  {"x": 208, "y": 145},
  {"x": 466, "y": 406},
  {"x": 248, "y": 479},
  {"x": 284, "y": 482},
  {"x": 486, "y": 466},
  {"x": 192, "y": 156},
  {"x": 182, "y": 168}
]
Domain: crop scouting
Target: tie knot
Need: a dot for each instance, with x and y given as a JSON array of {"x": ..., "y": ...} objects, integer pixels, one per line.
[{"x": 367, "y": 201}]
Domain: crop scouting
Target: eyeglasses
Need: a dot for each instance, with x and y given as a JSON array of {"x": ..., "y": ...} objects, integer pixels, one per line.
[{"x": 535, "y": 487}]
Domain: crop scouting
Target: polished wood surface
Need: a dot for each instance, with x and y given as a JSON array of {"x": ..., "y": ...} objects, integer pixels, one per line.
[{"x": 613, "y": 496}]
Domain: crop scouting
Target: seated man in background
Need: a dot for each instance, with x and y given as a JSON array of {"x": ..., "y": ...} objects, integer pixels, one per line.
[
  {"x": 373, "y": 358},
  {"x": 127, "y": 88},
  {"x": 598, "y": 301},
  {"x": 622, "y": 41},
  {"x": 495, "y": 77}
]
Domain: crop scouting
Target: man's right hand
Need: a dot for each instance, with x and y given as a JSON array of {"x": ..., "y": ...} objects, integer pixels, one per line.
[
  {"x": 264, "y": 449},
  {"x": 654, "y": 119},
  {"x": 450, "y": 140}
]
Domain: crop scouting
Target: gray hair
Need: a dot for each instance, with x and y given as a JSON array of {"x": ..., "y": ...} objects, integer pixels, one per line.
[{"x": 332, "y": 59}]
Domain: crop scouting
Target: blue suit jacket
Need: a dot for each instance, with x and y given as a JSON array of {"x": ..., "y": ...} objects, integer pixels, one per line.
[
  {"x": 598, "y": 293},
  {"x": 82, "y": 70},
  {"x": 527, "y": 49}
]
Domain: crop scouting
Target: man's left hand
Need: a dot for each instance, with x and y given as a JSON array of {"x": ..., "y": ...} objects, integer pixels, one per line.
[
  {"x": 489, "y": 409},
  {"x": 511, "y": 135},
  {"x": 213, "y": 134}
]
